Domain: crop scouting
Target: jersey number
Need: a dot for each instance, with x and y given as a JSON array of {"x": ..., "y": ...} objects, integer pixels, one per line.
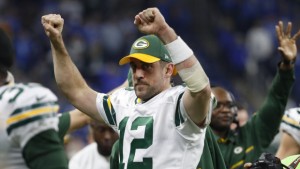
[
  {"x": 137, "y": 143},
  {"x": 14, "y": 91}
]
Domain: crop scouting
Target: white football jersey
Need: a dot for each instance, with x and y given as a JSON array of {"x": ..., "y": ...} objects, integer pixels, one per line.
[
  {"x": 291, "y": 123},
  {"x": 89, "y": 158},
  {"x": 155, "y": 134},
  {"x": 25, "y": 110}
]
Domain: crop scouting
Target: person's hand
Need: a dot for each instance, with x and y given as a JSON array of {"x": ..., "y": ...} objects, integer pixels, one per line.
[
  {"x": 247, "y": 165},
  {"x": 287, "y": 44},
  {"x": 150, "y": 21},
  {"x": 53, "y": 26}
]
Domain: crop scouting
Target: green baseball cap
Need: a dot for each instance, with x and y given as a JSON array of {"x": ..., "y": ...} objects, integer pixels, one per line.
[{"x": 148, "y": 49}]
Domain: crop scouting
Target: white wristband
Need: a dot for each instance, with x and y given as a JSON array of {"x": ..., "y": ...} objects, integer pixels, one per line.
[{"x": 179, "y": 50}]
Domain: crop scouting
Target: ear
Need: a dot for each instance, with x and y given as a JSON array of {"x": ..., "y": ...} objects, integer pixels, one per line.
[{"x": 169, "y": 69}]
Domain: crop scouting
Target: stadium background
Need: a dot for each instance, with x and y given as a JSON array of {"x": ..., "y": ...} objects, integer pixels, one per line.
[{"x": 234, "y": 40}]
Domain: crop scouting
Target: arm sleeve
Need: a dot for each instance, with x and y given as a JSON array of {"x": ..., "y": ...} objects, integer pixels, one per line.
[
  {"x": 212, "y": 156},
  {"x": 269, "y": 116},
  {"x": 63, "y": 124},
  {"x": 46, "y": 151},
  {"x": 114, "y": 157}
]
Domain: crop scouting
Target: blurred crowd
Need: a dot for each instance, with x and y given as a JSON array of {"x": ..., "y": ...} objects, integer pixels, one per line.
[{"x": 233, "y": 39}]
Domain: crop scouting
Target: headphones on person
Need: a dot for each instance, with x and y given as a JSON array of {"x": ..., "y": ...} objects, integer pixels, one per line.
[{"x": 234, "y": 109}]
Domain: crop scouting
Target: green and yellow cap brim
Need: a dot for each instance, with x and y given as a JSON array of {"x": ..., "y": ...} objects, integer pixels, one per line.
[{"x": 140, "y": 56}]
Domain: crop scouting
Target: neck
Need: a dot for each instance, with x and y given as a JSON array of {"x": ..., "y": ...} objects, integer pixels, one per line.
[
  {"x": 158, "y": 92},
  {"x": 222, "y": 134}
]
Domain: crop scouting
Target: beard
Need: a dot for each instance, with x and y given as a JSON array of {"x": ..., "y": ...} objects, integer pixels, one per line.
[
  {"x": 145, "y": 91},
  {"x": 104, "y": 150},
  {"x": 219, "y": 126}
]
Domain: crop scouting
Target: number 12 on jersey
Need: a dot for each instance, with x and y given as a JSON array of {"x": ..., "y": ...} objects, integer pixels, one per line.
[{"x": 137, "y": 143}]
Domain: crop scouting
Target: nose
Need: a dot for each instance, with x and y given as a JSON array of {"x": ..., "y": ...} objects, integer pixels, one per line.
[
  {"x": 139, "y": 73},
  {"x": 226, "y": 107},
  {"x": 224, "y": 110},
  {"x": 107, "y": 135}
]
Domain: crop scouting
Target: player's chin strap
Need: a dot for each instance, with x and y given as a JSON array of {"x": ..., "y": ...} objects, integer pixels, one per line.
[{"x": 10, "y": 80}]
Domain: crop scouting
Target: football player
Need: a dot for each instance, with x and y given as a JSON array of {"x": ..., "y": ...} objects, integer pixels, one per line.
[
  {"x": 160, "y": 126},
  {"x": 30, "y": 127}
]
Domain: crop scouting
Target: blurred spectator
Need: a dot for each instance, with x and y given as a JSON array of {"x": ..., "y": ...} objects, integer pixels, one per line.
[{"x": 96, "y": 155}]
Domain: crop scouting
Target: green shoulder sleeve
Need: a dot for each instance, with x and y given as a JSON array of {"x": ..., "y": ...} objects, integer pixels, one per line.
[
  {"x": 63, "y": 125},
  {"x": 46, "y": 151}
]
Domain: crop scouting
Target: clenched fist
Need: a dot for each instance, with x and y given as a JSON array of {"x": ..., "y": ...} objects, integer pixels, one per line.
[
  {"x": 53, "y": 25},
  {"x": 150, "y": 21}
]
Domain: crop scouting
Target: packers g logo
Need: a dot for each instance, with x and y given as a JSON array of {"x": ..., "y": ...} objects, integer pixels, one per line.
[
  {"x": 140, "y": 44},
  {"x": 238, "y": 150}
]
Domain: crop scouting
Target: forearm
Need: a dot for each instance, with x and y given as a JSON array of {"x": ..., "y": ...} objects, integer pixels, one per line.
[
  {"x": 167, "y": 34},
  {"x": 197, "y": 97},
  {"x": 183, "y": 58},
  {"x": 78, "y": 120},
  {"x": 274, "y": 105},
  {"x": 67, "y": 76}
]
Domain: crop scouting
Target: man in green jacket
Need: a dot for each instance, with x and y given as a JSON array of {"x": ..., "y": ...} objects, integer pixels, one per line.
[{"x": 246, "y": 143}]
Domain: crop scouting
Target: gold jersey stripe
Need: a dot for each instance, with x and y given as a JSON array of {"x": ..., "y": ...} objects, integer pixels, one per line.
[
  {"x": 31, "y": 113},
  {"x": 290, "y": 120},
  {"x": 238, "y": 164},
  {"x": 249, "y": 149}
]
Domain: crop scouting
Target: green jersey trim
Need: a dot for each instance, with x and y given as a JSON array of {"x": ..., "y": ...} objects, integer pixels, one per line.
[
  {"x": 109, "y": 110},
  {"x": 178, "y": 116}
]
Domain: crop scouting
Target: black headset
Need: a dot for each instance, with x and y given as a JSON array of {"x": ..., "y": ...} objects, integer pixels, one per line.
[{"x": 234, "y": 109}]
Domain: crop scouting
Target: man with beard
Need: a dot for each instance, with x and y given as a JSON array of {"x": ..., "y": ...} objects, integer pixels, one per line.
[
  {"x": 96, "y": 155},
  {"x": 160, "y": 126}
]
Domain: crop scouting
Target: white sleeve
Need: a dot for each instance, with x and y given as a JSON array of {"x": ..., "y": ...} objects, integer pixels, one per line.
[
  {"x": 188, "y": 126},
  {"x": 106, "y": 110}
]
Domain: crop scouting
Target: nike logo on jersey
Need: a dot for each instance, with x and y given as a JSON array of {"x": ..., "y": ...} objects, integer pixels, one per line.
[
  {"x": 167, "y": 57},
  {"x": 40, "y": 98}
]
